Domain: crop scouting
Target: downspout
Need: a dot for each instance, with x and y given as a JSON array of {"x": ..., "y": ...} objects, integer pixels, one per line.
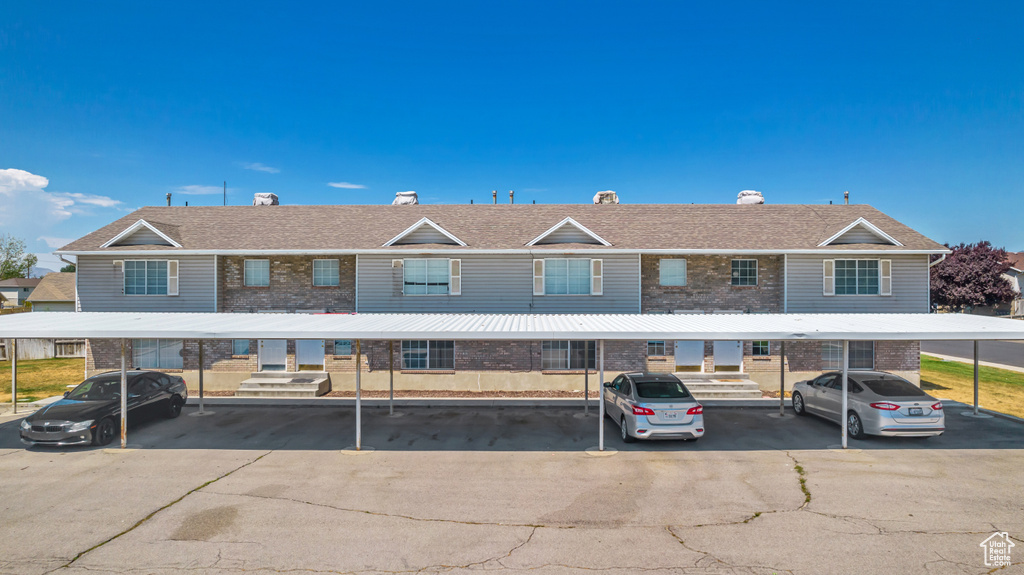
[
  {"x": 785, "y": 283},
  {"x": 938, "y": 261},
  {"x": 216, "y": 282},
  {"x": 355, "y": 304}
]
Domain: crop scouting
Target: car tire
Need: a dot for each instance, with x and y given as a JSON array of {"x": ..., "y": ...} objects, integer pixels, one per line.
[
  {"x": 174, "y": 406},
  {"x": 104, "y": 432},
  {"x": 854, "y": 426},
  {"x": 626, "y": 437},
  {"x": 798, "y": 404}
]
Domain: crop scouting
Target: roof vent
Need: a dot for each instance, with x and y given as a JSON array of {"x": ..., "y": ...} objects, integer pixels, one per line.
[
  {"x": 749, "y": 197},
  {"x": 265, "y": 199},
  {"x": 606, "y": 197},
  {"x": 405, "y": 199}
]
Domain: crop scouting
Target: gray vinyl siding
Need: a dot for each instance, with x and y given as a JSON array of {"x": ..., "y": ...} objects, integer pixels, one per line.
[
  {"x": 859, "y": 235},
  {"x": 101, "y": 286},
  {"x": 568, "y": 234},
  {"x": 496, "y": 284},
  {"x": 143, "y": 237},
  {"x": 909, "y": 287}
]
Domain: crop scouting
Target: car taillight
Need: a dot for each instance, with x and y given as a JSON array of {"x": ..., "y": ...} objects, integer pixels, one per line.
[
  {"x": 695, "y": 410},
  {"x": 885, "y": 406},
  {"x": 937, "y": 406},
  {"x": 637, "y": 410}
]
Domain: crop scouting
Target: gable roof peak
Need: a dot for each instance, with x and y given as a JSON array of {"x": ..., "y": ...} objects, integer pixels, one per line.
[
  {"x": 424, "y": 222},
  {"x": 584, "y": 236},
  {"x": 140, "y": 224},
  {"x": 865, "y": 224}
]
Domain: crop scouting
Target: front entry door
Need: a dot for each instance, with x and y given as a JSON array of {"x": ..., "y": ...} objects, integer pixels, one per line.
[
  {"x": 273, "y": 355},
  {"x": 728, "y": 355},
  {"x": 690, "y": 356},
  {"x": 309, "y": 354}
]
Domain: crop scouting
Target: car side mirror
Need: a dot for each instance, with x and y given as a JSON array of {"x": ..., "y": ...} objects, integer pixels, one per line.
[
  {"x": 66, "y": 393},
  {"x": 607, "y": 384}
]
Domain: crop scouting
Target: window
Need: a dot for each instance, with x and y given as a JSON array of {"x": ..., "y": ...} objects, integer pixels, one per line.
[
  {"x": 744, "y": 272},
  {"x": 761, "y": 349},
  {"x": 857, "y": 277},
  {"x": 156, "y": 353},
  {"x": 862, "y": 355},
  {"x": 426, "y": 277},
  {"x": 239, "y": 347},
  {"x": 672, "y": 272},
  {"x": 424, "y": 354},
  {"x": 655, "y": 348},
  {"x": 257, "y": 273},
  {"x": 566, "y": 277},
  {"x": 343, "y": 347},
  {"x": 325, "y": 272},
  {"x": 568, "y": 354},
  {"x": 151, "y": 277}
]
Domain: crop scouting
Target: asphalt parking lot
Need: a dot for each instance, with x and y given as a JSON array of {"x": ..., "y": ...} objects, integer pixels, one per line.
[{"x": 268, "y": 490}]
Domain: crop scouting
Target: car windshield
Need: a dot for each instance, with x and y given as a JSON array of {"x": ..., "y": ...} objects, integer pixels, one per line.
[
  {"x": 103, "y": 388},
  {"x": 893, "y": 388},
  {"x": 661, "y": 390}
]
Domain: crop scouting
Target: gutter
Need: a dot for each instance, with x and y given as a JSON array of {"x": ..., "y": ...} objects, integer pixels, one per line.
[
  {"x": 938, "y": 261},
  {"x": 392, "y": 252}
]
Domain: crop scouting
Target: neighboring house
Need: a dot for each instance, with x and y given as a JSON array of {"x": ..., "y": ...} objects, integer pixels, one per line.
[
  {"x": 17, "y": 290},
  {"x": 613, "y": 259},
  {"x": 55, "y": 292},
  {"x": 1014, "y": 276}
]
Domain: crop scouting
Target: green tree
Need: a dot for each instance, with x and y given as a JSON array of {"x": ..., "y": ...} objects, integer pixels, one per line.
[
  {"x": 68, "y": 268},
  {"x": 14, "y": 262}
]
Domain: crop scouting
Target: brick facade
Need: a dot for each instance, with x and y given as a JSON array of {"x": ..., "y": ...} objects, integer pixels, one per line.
[
  {"x": 291, "y": 286},
  {"x": 708, "y": 286}
]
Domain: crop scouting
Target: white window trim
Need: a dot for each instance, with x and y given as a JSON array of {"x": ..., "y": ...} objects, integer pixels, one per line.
[
  {"x": 170, "y": 277},
  {"x": 884, "y": 281},
  {"x": 870, "y": 227},
  {"x": 596, "y": 280},
  {"x": 135, "y": 227},
  {"x": 757, "y": 272},
  {"x": 571, "y": 222},
  {"x": 449, "y": 260},
  {"x": 420, "y": 224},
  {"x": 661, "y": 262},
  {"x": 312, "y": 271},
  {"x": 244, "y": 282}
]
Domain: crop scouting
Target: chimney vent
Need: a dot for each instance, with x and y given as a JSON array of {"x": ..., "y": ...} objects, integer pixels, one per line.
[
  {"x": 494, "y": 195},
  {"x": 511, "y": 196},
  {"x": 406, "y": 199},
  {"x": 168, "y": 198},
  {"x": 606, "y": 197},
  {"x": 846, "y": 198},
  {"x": 749, "y": 197},
  {"x": 264, "y": 199}
]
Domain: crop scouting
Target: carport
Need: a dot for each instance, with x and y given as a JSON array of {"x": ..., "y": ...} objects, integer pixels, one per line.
[{"x": 497, "y": 327}]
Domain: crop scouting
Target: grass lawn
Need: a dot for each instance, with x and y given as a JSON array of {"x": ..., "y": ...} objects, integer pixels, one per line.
[
  {"x": 998, "y": 389},
  {"x": 41, "y": 378}
]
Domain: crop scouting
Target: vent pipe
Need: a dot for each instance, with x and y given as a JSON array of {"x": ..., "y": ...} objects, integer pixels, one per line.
[
  {"x": 168, "y": 199},
  {"x": 494, "y": 195},
  {"x": 846, "y": 198},
  {"x": 511, "y": 196}
]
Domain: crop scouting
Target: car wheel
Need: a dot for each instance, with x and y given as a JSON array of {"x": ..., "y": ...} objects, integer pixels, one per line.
[
  {"x": 798, "y": 404},
  {"x": 174, "y": 406},
  {"x": 104, "y": 432},
  {"x": 854, "y": 426},
  {"x": 626, "y": 437}
]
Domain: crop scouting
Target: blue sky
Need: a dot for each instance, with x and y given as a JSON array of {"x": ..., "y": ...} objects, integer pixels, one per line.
[{"x": 915, "y": 108}]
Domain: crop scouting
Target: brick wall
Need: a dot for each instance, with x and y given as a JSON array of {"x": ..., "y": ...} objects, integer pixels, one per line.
[
  {"x": 291, "y": 286},
  {"x": 708, "y": 286}
]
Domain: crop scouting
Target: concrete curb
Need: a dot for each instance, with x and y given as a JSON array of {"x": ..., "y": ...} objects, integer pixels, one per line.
[{"x": 447, "y": 402}]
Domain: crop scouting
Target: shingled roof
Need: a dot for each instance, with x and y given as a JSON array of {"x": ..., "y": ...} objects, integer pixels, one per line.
[
  {"x": 56, "y": 286},
  {"x": 640, "y": 227}
]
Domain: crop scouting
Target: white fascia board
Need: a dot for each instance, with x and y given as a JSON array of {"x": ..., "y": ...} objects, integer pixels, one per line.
[
  {"x": 871, "y": 228},
  {"x": 418, "y": 225},
  {"x": 521, "y": 251},
  {"x": 135, "y": 227},
  {"x": 569, "y": 221}
]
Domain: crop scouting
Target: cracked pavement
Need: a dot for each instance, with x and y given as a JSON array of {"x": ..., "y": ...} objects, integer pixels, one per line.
[{"x": 265, "y": 490}]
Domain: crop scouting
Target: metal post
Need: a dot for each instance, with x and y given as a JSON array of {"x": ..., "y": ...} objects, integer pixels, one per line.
[
  {"x": 359, "y": 404},
  {"x": 782, "y": 378},
  {"x": 600, "y": 397},
  {"x": 124, "y": 395},
  {"x": 846, "y": 377},
  {"x": 975, "y": 377},
  {"x": 586, "y": 378},
  {"x": 200, "y": 376},
  {"x": 391, "y": 376},
  {"x": 13, "y": 376}
]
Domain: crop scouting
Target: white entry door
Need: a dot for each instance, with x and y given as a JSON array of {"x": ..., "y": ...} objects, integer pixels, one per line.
[
  {"x": 689, "y": 356},
  {"x": 309, "y": 354},
  {"x": 728, "y": 356},
  {"x": 273, "y": 355}
]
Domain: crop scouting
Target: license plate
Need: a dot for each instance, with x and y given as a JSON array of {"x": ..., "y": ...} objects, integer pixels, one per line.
[
  {"x": 670, "y": 415},
  {"x": 916, "y": 411}
]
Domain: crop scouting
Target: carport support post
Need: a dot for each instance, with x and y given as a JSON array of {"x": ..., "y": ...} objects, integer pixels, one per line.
[
  {"x": 124, "y": 395},
  {"x": 846, "y": 379},
  {"x": 782, "y": 379},
  {"x": 391, "y": 376},
  {"x": 586, "y": 378},
  {"x": 975, "y": 377},
  {"x": 600, "y": 397},
  {"x": 200, "y": 376},
  {"x": 359, "y": 400},
  {"x": 14, "y": 375}
]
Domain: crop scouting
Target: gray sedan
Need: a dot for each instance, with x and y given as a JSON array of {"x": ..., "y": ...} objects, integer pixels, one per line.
[
  {"x": 653, "y": 406},
  {"x": 879, "y": 403}
]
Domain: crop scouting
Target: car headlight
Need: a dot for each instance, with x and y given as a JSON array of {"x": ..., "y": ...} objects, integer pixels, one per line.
[
  {"x": 80, "y": 426},
  {"x": 26, "y": 425}
]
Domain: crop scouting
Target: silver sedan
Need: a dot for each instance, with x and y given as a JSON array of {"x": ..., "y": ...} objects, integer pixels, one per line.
[
  {"x": 879, "y": 403},
  {"x": 653, "y": 406}
]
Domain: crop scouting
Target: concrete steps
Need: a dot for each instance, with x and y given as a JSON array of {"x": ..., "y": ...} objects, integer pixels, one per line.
[
  {"x": 707, "y": 388},
  {"x": 300, "y": 384}
]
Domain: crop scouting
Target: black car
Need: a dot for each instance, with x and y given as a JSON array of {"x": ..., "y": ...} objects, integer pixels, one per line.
[{"x": 91, "y": 413}]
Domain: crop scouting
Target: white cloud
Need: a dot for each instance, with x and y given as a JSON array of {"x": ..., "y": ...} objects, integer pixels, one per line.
[
  {"x": 258, "y": 167},
  {"x": 346, "y": 185},
  {"x": 30, "y": 203},
  {"x": 13, "y": 180},
  {"x": 55, "y": 243},
  {"x": 199, "y": 190}
]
